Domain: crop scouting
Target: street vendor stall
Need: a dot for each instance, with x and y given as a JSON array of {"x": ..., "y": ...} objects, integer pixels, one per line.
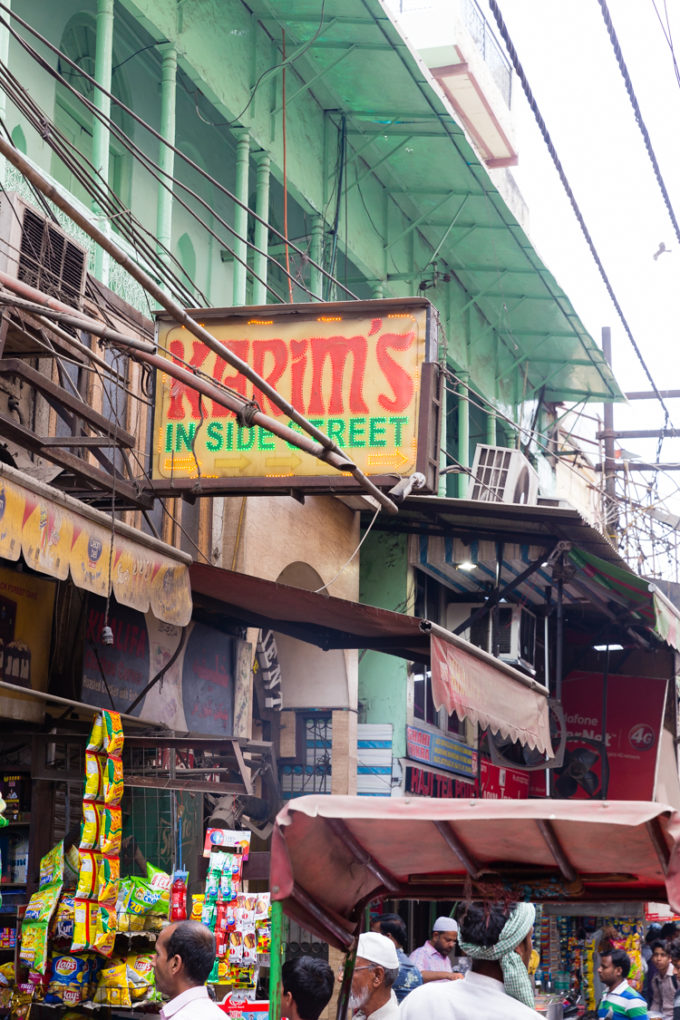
[{"x": 332, "y": 856}]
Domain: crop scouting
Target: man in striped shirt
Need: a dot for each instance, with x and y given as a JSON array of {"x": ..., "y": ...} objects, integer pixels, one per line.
[{"x": 620, "y": 1000}]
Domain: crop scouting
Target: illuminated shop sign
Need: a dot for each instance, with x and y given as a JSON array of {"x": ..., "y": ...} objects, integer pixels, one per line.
[{"x": 353, "y": 369}]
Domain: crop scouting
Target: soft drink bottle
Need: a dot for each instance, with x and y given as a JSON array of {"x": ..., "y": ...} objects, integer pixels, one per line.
[{"x": 178, "y": 896}]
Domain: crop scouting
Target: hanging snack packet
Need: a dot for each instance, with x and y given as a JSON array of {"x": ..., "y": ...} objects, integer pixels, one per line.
[
  {"x": 69, "y": 983},
  {"x": 62, "y": 922},
  {"x": 33, "y": 949},
  {"x": 94, "y": 765},
  {"x": 113, "y": 738},
  {"x": 262, "y": 906},
  {"x": 87, "y": 875},
  {"x": 235, "y": 946},
  {"x": 52, "y": 866},
  {"x": 96, "y": 735},
  {"x": 105, "y": 931},
  {"x": 90, "y": 832},
  {"x": 249, "y": 945},
  {"x": 112, "y": 987},
  {"x": 42, "y": 903},
  {"x": 84, "y": 924},
  {"x": 108, "y": 879},
  {"x": 197, "y": 901},
  {"x": 111, "y": 829},
  {"x": 264, "y": 936},
  {"x": 71, "y": 867},
  {"x": 112, "y": 781},
  {"x": 20, "y": 1003},
  {"x": 160, "y": 882},
  {"x": 140, "y": 975}
]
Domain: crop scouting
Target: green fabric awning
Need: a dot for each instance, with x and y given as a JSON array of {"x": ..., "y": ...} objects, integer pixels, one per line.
[{"x": 611, "y": 584}]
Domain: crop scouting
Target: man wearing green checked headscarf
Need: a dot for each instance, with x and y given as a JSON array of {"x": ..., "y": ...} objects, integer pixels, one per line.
[{"x": 497, "y": 937}]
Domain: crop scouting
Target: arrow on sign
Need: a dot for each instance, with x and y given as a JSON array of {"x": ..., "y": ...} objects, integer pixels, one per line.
[
  {"x": 394, "y": 460},
  {"x": 236, "y": 463},
  {"x": 284, "y": 465}
]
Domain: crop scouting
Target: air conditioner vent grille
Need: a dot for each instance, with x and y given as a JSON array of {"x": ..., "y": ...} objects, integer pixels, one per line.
[{"x": 49, "y": 261}]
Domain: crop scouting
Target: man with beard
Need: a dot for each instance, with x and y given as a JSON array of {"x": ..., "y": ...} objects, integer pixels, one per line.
[
  {"x": 375, "y": 971},
  {"x": 497, "y": 938},
  {"x": 432, "y": 958}
]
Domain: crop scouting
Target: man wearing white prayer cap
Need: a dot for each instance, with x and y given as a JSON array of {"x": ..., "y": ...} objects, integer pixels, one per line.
[
  {"x": 375, "y": 971},
  {"x": 432, "y": 958},
  {"x": 497, "y": 937}
]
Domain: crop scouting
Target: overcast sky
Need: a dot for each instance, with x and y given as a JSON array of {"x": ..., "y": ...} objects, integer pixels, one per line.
[{"x": 572, "y": 70}]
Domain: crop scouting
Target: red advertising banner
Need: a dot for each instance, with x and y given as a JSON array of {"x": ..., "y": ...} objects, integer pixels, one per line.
[
  {"x": 634, "y": 715},
  {"x": 497, "y": 783}
]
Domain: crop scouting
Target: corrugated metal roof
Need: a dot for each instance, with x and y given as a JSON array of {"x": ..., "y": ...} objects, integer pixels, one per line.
[{"x": 399, "y": 120}]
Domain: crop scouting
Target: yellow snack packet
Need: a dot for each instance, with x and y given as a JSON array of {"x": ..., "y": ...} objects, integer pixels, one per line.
[
  {"x": 112, "y": 987},
  {"x": 96, "y": 735},
  {"x": 108, "y": 879},
  {"x": 87, "y": 875},
  {"x": 111, "y": 829},
  {"x": 85, "y": 914},
  {"x": 112, "y": 781},
  {"x": 90, "y": 833},
  {"x": 105, "y": 933},
  {"x": 94, "y": 765},
  {"x": 113, "y": 738}
]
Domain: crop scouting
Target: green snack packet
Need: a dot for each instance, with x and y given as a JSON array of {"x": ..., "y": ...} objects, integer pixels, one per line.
[
  {"x": 52, "y": 866},
  {"x": 160, "y": 882},
  {"x": 42, "y": 903}
]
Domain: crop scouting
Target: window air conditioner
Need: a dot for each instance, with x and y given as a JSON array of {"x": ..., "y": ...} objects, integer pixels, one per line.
[
  {"x": 514, "y": 634},
  {"x": 501, "y": 475},
  {"x": 36, "y": 251}
]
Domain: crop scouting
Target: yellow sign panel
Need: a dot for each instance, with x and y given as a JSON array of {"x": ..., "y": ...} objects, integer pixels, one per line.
[{"x": 355, "y": 375}]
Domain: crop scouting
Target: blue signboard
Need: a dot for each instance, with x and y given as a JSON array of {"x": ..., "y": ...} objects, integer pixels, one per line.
[{"x": 440, "y": 750}]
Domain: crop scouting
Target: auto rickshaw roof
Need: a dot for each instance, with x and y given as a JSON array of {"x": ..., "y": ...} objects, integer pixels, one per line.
[{"x": 331, "y": 855}]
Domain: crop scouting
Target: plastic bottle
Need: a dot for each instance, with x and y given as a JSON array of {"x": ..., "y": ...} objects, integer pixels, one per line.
[{"x": 178, "y": 896}]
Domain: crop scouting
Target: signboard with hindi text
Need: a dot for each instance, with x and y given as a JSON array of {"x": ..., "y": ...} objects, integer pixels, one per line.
[{"x": 362, "y": 372}]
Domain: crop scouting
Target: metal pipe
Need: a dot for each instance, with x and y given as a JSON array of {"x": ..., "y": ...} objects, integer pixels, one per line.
[
  {"x": 183, "y": 318},
  {"x": 463, "y": 434},
  {"x": 101, "y": 133},
  {"x": 559, "y": 640},
  {"x": 166, "y": 155},
  {"x": 241, "y": 218},
  {"x": 260, "y": 260}
]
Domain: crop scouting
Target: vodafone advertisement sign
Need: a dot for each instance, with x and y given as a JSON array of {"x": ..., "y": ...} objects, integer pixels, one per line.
[{"x": 634, "y": 715}]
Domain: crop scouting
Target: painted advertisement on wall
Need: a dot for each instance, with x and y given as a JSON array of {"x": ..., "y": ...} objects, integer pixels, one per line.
[
  {"x": 195, "y": 694},
  {"x": 352, "y": 369},
  {"x": 634, "y": 714},
  {"x": 26, "y": 611}
]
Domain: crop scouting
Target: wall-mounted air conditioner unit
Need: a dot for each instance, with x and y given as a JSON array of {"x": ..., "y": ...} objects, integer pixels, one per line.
[
  {"x": 512, "y": 637},
  {"x": 35, "y": 250},
  {"x": 501, "y": 475}
]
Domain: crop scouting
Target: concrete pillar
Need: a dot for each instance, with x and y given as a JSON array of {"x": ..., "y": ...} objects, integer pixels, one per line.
[
  {"x": 166, "y": 156},
  {"x": 101, "y": 135},
  {"x": 463, "y": 433},
  {"x": 261, "y": 262},
  {"x": 241, "y": 218},
  {"x": 316, "y": 255},
  {"x": 491, "y": 426}
]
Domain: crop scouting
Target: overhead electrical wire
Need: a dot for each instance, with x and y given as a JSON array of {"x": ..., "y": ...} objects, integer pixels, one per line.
[{"x": 519, "y": 70}]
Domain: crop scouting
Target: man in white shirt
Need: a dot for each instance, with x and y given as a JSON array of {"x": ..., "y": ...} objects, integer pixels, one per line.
[
  {"x": 375, "y": 970},
  {"x": 185, "y": 953},
  {"x": 498, "y": 987}
]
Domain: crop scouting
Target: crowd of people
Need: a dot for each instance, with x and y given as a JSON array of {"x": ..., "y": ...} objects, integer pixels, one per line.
[{"x": 490, "y": 979}]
